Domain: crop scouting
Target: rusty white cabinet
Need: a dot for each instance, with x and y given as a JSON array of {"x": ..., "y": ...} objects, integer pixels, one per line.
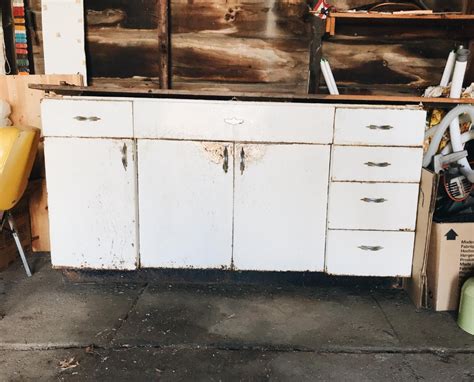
[
  {"x": 217, "y": 205},
  {"x": 267, "y": 186},
  {"x": 373, "y": 193},
  {"x": 186, "y": 196},
  {"x": 280, "y": 206},
  {"x": 92, "y": 202}
]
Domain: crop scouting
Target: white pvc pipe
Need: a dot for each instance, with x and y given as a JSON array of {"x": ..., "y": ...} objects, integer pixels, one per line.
[
  {"x": 465, "y": 137},
  {"x": 326, "y": 77},
  {"x": 458, "y": 79},
  {"x": 448, "y": 69},
  {"x": 454, "y": 129},
  {"x": 331, "y": 78},
  {"x": 442, "y": 127}
]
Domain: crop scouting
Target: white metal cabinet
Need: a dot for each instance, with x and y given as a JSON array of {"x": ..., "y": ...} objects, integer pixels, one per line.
[
  {"x": 87, "y": 118},
  {"x": 379, "y": 127},
  {"x": 92, "y": 202},
  {"x": 280, "y": 207},
  {"x": 376, "y": 164},
  {"x": 378, "y": 206},
  {"x": 369, "y": 253},
  {"x": 185, "y": 193},
  {"x": 233, "y": 121}
]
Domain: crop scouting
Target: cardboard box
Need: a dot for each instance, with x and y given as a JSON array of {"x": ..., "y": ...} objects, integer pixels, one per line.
[
  {"x": 450, "y": 263},
  {"x": 443, "y": 256},
  {"x": 417, "y": 285}
]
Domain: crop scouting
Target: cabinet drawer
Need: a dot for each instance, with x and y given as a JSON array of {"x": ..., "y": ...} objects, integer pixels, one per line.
[
  {"x": 376, "y": 164},
  {"x": 233, "y": 121},
  {"x": 87, "y": 118},
  {"x": 379, "y": 127},
  {"x": 369, "y": 253},
  {"x": 378, "y": 206}
]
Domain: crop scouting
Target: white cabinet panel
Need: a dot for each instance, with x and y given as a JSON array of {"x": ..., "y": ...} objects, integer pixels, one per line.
[
  {"x": 92, "y": 202},
  {"x": 384, "y": 127},
  {"x": 378, "y": 206},
  {"x": 369, "y": 253},
  {"x": 87, "y": 118},
  {"x": 280, "y": 207},
  {"x": 63, "y": 37},
  {"x": 185, "y": 193},
  {"x": 184, "y": 119},
  {"x": 233, "y": 121},
  {"x": 376, "y": 164},
  {"x": 284, "y": 122}
]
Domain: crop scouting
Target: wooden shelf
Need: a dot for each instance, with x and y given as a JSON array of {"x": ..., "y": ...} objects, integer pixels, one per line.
[
  {"x": 381, "y": 17},
  {"x": 288, "y": 97}
]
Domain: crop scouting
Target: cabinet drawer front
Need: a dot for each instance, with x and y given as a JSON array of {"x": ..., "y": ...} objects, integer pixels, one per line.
[
  {"x": 285, "y": 123},
  {"x": 377, "y": 206},
  {"x": 384, "y": 127},
  {"x": 87, "y": 118},
  {"x": 369, "y": 253},
  {"x": 233, "y": 121},
  {"x": 376, "y": 164}
]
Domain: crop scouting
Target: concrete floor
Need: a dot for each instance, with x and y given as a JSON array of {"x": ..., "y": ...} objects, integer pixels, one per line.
[{"x": 147, "y": 332}]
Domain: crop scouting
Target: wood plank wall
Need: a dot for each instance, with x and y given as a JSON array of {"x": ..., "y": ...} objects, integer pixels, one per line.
[
  {"x": 238, "y": 45},
  {"x": 260, "y": 45}
]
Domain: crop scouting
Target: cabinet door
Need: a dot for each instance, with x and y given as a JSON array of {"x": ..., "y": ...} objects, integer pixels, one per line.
[
  {"x": 92, "y": 202},
  {"x": 185, "y": 193},
  {"x": 280, "y": 207}
]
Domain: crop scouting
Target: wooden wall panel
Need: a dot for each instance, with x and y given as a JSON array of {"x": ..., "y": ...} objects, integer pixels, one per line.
[
  {"x": 370, "y": 66},
  {"x": 252, "y": 45}
]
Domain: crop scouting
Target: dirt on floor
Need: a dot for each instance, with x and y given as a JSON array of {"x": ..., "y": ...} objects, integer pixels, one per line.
[{"x": 52, "y": 329}]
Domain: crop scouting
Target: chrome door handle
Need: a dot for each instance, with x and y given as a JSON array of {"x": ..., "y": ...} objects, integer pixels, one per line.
[
  {"x": 378, "y": 164},
  {"x": 374, "y": 200},
  {"x": 234, "y": 121},
  {"x": 225, "y": 165},
  {"x": 124, "y": 151},
  {"x": 81, "y": 118},
  {"x": 370, "y": 248},
  {"x": 380, "y": 127},
  {"x": 242, "y": 161}
]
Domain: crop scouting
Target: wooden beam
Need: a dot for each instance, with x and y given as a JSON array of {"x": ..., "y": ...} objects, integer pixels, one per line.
[
  {"x": 226, "y": 95},
  {"x": 315, "y": 54},
  {"x": 401, "y": 16},
  {"x": 162, "y": 7}
]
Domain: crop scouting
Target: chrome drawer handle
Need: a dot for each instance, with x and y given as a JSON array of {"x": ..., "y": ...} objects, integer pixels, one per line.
[
  {"x": 370, "y": 248},
  {"x": 380, "y": 127},
  {"x": 82, "y": 119},
  {"x": 225, "y": 165},
  {"x": 380, "y": 164},
  {"x": 374, "y": 200},
  {"x": 234, "y": 121}
]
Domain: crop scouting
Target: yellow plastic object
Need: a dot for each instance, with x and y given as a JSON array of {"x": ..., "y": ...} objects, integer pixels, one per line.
[{"x": 18, "y": 147}]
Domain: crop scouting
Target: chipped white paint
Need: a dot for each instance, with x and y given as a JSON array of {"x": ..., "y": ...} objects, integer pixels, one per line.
[
  {"x": 92, "y": 203},
  {"x": 214, "y": 151},
  {"x": 369, "y": 253},
  {"x": 378, "y": 206},
  {"x": 280, "y": 208},
  {"x": 185, "y": 204},
  {"x": 63, "y": 37}
]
